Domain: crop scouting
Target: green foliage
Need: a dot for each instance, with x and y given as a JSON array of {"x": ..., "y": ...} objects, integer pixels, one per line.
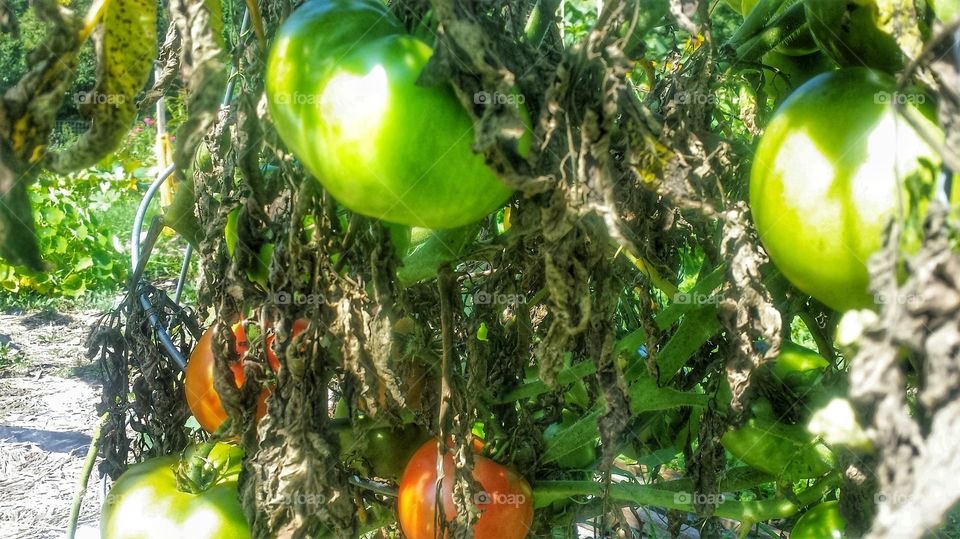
[
  {"x": 578, "y": 17},
  {"x": 14, "y": 58},
  {"x": 83, "y": 224},
  {"x": 72, "y": 217}
]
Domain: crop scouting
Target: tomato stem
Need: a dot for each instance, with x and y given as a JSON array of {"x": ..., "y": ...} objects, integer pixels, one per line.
[{"x": 671, "y": 495}]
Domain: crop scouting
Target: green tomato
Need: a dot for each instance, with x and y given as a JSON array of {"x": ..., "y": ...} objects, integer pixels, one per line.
[
  {"x": 823, "y": 521},
  {"x": 375, "y": 450},
  {"x": 145, "y": 502},
  {"x": 850, "y": 33},
  {"x": 795, "y": 359},
  {"x": 787, "y": 452},
  {"x": 801, "y": 45},
  {"x": 826, "y": 180},
  {"x": 386, "y": 449},
  {"x": 350, "y": 108}
]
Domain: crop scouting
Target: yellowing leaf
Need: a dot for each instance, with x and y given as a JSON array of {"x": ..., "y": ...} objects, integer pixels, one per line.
[{"x": 126, "y": 45}]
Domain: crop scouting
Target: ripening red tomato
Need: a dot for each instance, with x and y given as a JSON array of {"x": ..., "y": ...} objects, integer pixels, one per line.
[
  {"x": 202, "y": 398},
  {"x": 506, "y": 500},
  {"x": 299, "y": 326}
]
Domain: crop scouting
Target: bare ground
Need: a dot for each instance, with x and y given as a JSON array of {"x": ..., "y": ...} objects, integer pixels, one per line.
[{"x": 48, "y": 393}]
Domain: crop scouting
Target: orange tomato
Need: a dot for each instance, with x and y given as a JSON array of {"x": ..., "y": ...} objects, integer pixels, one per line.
[
  {"x": 202, "y": 398},
  {"x": 506, "y": 500}
]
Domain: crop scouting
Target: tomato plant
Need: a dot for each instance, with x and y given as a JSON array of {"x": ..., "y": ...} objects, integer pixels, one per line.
[
  {"x": 164, "y": 497},
  {"x": 202, "y": 398},
  {"x": 823, "y": 521},
  {"x": 826, "y": 180},
  {"x": 506, "y": 500},
  {"x": 342, "y": 90}
]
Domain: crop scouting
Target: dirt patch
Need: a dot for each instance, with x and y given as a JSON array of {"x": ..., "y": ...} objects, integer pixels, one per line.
[{"x": 48, "y": 393}]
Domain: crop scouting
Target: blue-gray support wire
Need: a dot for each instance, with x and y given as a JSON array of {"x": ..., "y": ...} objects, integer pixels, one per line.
[
  {"x": 183, "y": 274},
  {"x": 172, "y": 351}
]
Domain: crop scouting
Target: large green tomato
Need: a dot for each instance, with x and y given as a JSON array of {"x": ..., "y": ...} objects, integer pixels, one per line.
[
  {"x": 350, "y": 108},
  {"x": 822, "y": 521},
  {"x": 828, "y": 176},
  {"x": 145, "y": 502}
]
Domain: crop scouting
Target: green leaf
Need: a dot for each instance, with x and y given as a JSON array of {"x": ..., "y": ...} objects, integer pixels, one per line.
[
  {"x": 647, "y": 396},
  {"x": 82, "y": 264},
  {"x": 438, "y": 248},
  {"x": 200, "y": 24},
  {"x": 696, "y": 298},
  {"x": 18, "y": 239},
  {"x": 53, "y": 216},
  {"x": 60, "y": 245},
  {"x": 694, "y": 331},
  {"x": 659, "y": 457},
  {"x": 584, "y": 431},
  {"x": 73, "y": 286}
]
